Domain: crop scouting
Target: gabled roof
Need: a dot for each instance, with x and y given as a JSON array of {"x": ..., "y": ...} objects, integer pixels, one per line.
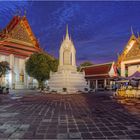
[
  {"x": 16, "y": 20},
  {"x": 131, "y": 50},
  {"x": 97, "y": 70}
]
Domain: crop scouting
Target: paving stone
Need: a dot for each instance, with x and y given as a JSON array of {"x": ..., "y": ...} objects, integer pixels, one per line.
[
  {"x": 136, "y": 131},
  {"x": 8, "y": 114},
  {"x": 53, "y": 130},
  {"x": 113, "y": 128},
  {"x": 86, "y": 135},
  {"x": 4, "y": 136},
  {"x": 55, "y": 116},
  {"x": 42, "y": 131},
  {"x": 106, "y": 133},
  {"x": 97, "y": 134},
  {"x": 62, "y": 136},
  {"x": 24, "y": 126},
  {"x": 38, "y": 136},
  {"x": 51, "y": 136},
  {"x": 73, "y": 130},
  {"x": 18, "y": 134},
  {"x": 83, "y": 129},
  {"x": 46, "y": 120},
  {"x": 75, "y": 135},
  {"x": 119, "y": 133},
  {"x": 103, "y": 129},
  {"x": 9, "y": 131},
  {"x": 122, "y": 127},
  {"x": 93, "y": 129},
  {"x": 135, "y": 136},
  {"x": 28, "y": 135}
]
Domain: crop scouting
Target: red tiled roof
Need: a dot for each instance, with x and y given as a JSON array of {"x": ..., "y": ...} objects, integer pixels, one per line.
[
  {"x": 8, "y": 46},
  {"x": 98, "y": 77},
  {"x": 97, "y": 70},
  {"x": 15, "y": 21}
]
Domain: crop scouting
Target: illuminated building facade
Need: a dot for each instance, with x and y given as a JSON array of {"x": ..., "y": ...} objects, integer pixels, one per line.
[
  {"x": 99, "y": 77},
  {"x": 129, "y": 61},
  {"x": 17, "y": 43}
]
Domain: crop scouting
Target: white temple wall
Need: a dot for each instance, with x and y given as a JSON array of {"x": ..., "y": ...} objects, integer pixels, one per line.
[
  {"x": 17, "y": 78},
  {"x": 131, "y": 69}
]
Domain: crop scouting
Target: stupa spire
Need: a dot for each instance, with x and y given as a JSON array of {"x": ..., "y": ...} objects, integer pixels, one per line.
[{"x": 67, "y": 32}]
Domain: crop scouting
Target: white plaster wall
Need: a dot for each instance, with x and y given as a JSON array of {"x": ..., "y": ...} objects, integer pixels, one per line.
[
  {"x": 4, "y": 58},
  {"x": 133, "y": 69}
]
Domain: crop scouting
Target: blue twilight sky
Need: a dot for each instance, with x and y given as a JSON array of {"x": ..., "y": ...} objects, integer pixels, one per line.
[{"x": 99, "y": 30}]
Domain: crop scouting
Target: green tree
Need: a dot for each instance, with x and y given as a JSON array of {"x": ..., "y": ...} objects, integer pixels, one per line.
[
  {"x": 39, "y": 66},
  {"x": 4, "y": 68},
  {"x": 86, "y": 63}
]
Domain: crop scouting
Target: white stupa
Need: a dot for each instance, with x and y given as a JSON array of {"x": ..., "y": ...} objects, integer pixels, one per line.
[{"x": 67, "y": 78}]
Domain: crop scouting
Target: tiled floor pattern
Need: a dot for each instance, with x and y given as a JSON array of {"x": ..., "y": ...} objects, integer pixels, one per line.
[{"x": 81, "y": 116}]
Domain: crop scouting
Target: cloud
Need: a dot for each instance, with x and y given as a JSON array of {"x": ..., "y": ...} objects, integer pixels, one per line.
[{"x": 99, "y": 29}]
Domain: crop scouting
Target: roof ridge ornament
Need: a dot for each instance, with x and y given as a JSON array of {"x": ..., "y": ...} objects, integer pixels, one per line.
[
  {"x": 138, "y": 34},
  {"x": 132, "y": 31},
  {"x": 25, "y": 12},
  {"x": 18, "y": 13}
]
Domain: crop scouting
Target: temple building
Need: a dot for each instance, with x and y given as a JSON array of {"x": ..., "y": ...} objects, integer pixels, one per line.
[
  {"x": 67, "y": 79},
  {"x": 129, "y": 60},
  {"x": 17, "y": 43},
  {"x": 99, "y": 76}
]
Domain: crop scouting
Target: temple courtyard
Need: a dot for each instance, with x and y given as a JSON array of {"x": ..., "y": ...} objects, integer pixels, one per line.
[{"x": 34, "y": 115}]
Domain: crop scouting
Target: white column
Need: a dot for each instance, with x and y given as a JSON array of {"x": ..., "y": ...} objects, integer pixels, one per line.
[
  {"x": 12, "y": 76},
  {"x": 73, "y": 53},
  {"x": 122, "y": 69},
  {"x": 88, "y": 82},
  {"x": 73, "y": 58},
  {"x": 104, "y": 82},
  {"x": 96, "y": 85},
  {"x": 25, "y": 75},
  {"x": 61, "y": 61}
]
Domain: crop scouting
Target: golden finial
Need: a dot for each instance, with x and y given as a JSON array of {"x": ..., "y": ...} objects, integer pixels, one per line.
[
  {"x": 6, "y": 31},
  {"x": 25, "y": 12},
  {"x": 132, "y": 30},
  {"x": 138, "y": 34}
]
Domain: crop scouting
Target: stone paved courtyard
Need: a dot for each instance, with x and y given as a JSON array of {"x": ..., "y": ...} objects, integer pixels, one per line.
[{"x": 81, "y": 116}]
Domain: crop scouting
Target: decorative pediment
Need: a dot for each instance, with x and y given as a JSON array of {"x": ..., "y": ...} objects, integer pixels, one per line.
[
  {"x": 131, "y": 50},
  {"x": 134, "y": 52},
  {"x": 20, "y": 33}
]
